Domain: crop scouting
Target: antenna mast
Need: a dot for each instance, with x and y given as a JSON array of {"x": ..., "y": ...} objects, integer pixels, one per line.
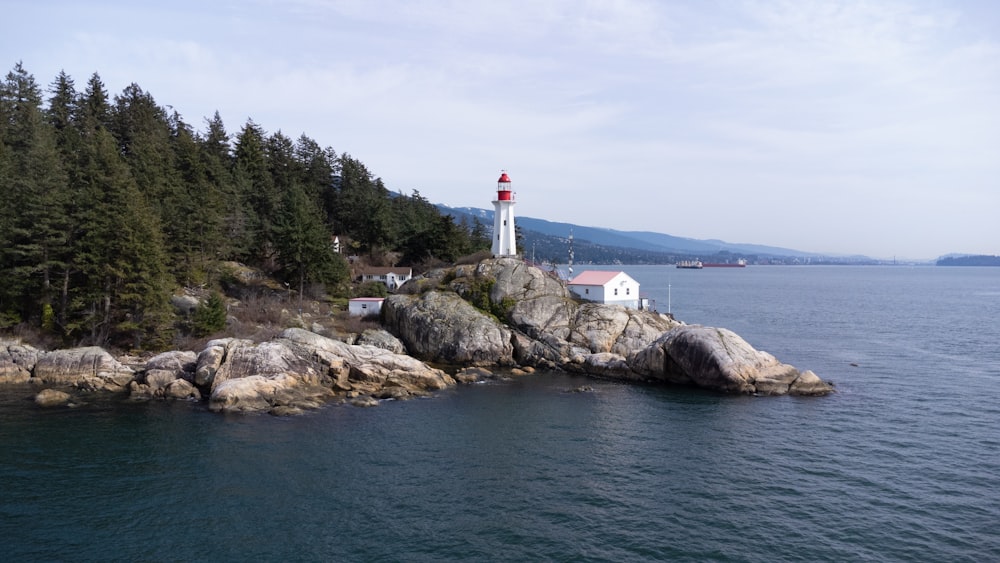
[{"x": 571, "y": 252}]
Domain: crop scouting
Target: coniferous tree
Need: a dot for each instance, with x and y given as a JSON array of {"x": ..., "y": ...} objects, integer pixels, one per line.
[
  {"x": 304, "y": 248},
  {"x": 255, "y": 187},
  {"x": 217, "y": 157},
  {"x": 123, "y": 286},
  {"x": 143, "y": 132},
  {"x": 317, "y": 166},
  {"x": 362, "y": 207},
  {"x": 197, "y": 235},
  {"x": 34, "y": 237}
]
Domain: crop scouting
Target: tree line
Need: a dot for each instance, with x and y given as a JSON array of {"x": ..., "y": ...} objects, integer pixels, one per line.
[{"x": 109, "y": 204}]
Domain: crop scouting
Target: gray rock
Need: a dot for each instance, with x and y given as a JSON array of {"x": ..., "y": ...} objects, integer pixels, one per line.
[
  {"x": 175, "y": 361},
  {"x": 302, "y": 370},
  {"x": 52, "y": 398},
  {"x": 90, "y": 368},
  {"x": 184, "y": 304},
  {"x": 182, "y": 389},
  {"x": 442, "y": 327},
  {"x": 473, "y": 374},
  {"x": 717, "y": 358},
  {"x": 606, "y": 364},
  {"x": 380, "y": 339},
  {"x": 16, "y": 361},
  {"x": 368, "y": 363},
  {"x": 364, "y": 401}
]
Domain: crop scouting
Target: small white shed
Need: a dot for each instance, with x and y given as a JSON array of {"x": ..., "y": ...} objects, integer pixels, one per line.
[
  {"x": 608, "y": 287},
  {"x": 364, "y": 306}
]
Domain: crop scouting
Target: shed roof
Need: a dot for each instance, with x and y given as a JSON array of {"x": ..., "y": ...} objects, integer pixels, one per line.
[
  {"x": 385, "y": 271},
  {"x": 594, "y": 277}
]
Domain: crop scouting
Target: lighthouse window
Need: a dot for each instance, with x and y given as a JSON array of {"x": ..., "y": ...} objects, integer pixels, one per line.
[
  {"x": 628, "y": 291},
  {"x": 504, "y": 222},
  {"x": 616, "y": 291}
]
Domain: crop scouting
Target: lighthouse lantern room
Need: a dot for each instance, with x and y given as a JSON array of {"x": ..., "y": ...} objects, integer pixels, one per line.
[{"x": 503, "y": 219}]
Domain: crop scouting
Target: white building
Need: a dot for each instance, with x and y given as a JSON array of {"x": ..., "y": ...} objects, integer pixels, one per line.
[
  {"x": 503, "y": 219},
  {"x": 392, "y": 278},
  {"x": 364, "y": 306},
  {"x": 611, "y": 288}
]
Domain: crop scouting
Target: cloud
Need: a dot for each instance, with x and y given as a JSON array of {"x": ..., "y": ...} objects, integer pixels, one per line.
[{"x": 625, "y": 114}]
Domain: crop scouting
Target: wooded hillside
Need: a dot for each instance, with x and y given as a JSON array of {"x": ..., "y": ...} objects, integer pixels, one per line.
[{"x": 108, "y": 204}]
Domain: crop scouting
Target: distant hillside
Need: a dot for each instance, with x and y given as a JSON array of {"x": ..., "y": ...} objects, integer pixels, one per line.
[
  {"x": 979, "y": 260},
  {"x": 548, "y": 240}
]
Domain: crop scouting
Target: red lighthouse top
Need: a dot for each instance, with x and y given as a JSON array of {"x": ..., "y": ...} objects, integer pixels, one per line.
[{"x": 503, "y": 187}]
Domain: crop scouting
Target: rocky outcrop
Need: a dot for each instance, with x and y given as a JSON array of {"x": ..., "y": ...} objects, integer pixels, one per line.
[
  {"x": 303, "y": 370},
  {"x": 16, "y": 361},
  {"x": 440, "y": 326},
  {"x": 717, "y": 358},
  {"x": 453, "y": 316},
  {"x": 456, "y": 316},
  {"x": 89, "y": 369},
  {"x": 497, "y": 313},
  {"x": 168, "y": 375}
]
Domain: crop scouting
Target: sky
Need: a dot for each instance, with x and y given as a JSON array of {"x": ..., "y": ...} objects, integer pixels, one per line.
[{"x": 843, "y": 127}]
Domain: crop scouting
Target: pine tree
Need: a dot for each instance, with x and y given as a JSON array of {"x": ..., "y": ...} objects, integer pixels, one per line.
[
  {"x": 122, "y": 286},
  {"x": 144, "y": 135},
  {"x": 197, "y": 237},
  {"x": 362, "y": 205},
  {"x": 255, "y": 187},
  {"x": 218, "y": 161},
  {"x": 35, "y": 230},
  {"x": 304, "y": 248}
]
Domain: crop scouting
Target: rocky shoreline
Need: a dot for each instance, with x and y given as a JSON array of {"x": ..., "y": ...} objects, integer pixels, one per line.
[{"x": 498, "y": 314}]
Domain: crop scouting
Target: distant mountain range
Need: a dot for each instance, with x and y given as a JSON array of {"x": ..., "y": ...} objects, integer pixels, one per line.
[{"x": 549, "y": 240}]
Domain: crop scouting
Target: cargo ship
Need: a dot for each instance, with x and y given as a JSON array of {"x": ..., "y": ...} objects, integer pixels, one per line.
[
  {"x": 741, "y": 263},
  {"x": 690, "y": 264}
]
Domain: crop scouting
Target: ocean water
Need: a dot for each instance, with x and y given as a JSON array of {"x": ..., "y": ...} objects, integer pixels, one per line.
[{"x": 901, "y": 464}]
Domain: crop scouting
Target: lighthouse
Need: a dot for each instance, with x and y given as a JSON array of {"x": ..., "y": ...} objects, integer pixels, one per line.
[{"x": 503, "y": 219}]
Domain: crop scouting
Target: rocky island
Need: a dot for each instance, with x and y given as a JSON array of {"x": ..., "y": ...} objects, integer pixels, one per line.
[{"x": 456, "y": 324}]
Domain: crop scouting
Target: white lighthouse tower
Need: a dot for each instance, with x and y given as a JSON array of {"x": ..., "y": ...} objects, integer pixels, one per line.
[{"x": 503, "y": 219}]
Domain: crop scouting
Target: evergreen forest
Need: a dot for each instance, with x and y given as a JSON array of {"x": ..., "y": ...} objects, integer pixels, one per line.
[{"x": 110, "y": 204}]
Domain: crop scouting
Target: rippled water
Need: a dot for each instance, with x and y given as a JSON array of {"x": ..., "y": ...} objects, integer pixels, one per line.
[{"x": 903, "y": 463}]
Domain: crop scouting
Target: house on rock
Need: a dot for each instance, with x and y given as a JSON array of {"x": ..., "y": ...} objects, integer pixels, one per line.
[
  {"x": 610, "y": 288},
  {"x": 392, "y": 278}
]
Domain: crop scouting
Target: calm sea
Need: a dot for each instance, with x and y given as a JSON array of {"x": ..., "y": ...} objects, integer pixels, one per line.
[{"x": 902, "y": 464}]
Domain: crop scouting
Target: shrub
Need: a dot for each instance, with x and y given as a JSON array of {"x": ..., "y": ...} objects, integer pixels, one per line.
[
  {"x": 210, "y": 316},
  {"x": 372, "y": 289}
]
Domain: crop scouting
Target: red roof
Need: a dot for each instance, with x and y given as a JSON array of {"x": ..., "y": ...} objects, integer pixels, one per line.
[
  {"x": 594, "y": 277},
  {"x": 504, "y": 178}
]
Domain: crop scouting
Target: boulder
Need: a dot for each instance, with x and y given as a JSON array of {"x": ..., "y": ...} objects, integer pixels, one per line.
[
  {"x": 473, "y": 374},
  {"x": 442, "y": 327},
  {"x": 184, "y": 304},
  {"x": 210, "y": 359},
  {"x": 90, "y": 368},
  {"x": 717, "y": 358},
  {"x": 606, "y": 364},
  {"x": 52, "y": 398},
  {"x": 302, "y": 370},
  {"x": 367, "y": 363},
  {"x": 182, "y": 389},
  {"x": 380, "y": 339},
  {"x": 183, "y": 364},
  {"x": 16, "y": 361}
]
